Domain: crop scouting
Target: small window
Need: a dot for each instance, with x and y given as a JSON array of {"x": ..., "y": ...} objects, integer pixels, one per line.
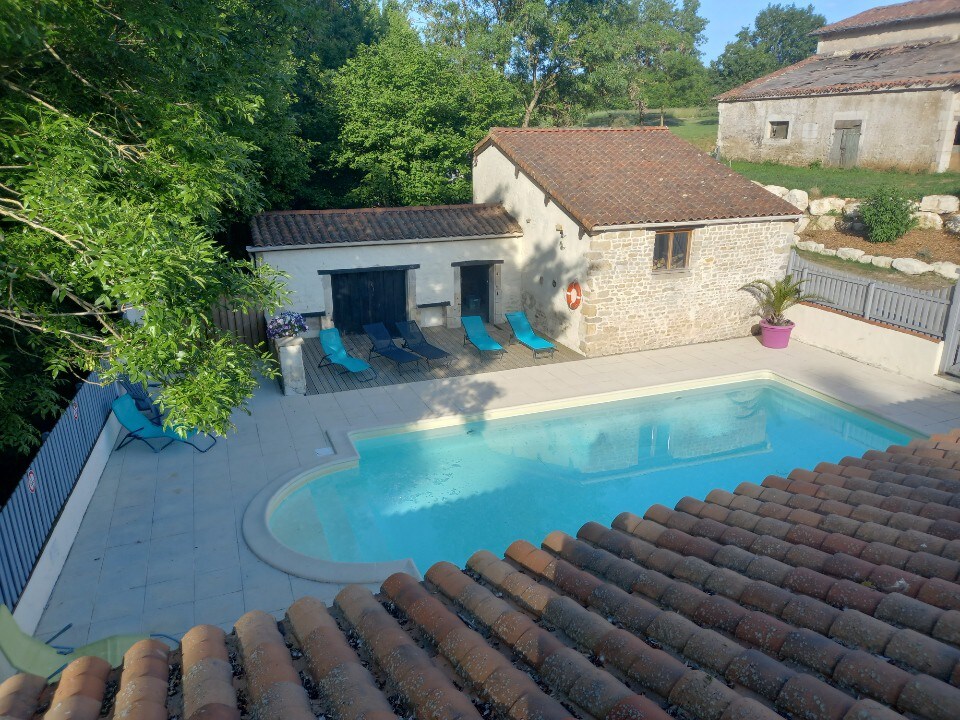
[
  {"x": 779, "y": 130},
  {"x": 671, "y": 250}
]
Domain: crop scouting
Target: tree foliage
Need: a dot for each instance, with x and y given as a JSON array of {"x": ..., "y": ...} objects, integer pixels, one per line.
[
  {"x": 410, "y": 116},
  {"x": 567, "y": 56},
  {"x": 128, "y": 130},
  {"x": 780, "y": 36}
]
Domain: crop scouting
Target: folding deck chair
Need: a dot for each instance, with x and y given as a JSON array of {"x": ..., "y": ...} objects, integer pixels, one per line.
[
  {"x": 477, "y": 334},
  {"x": 384, "y": 347},
  {"x": 525, "y": 334},
  {"x": 414, "y": 341}
]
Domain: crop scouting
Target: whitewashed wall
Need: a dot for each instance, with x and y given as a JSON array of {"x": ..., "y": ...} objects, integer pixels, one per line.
[
  {"x": 900, "y": 34},
  {"x": 549, "y": 261},
  {"x": 910, "y": 129},
  {"x": 900, "y": 352},
  {"x": 434, "y": 279}
]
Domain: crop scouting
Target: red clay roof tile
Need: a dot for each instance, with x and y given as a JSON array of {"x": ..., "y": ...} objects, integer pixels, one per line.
[
  {"x": 605, "y": 177},
  {"x": 292, "y": 228}
]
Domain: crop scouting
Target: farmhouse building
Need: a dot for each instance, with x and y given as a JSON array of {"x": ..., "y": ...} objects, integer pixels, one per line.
[
  {"x": 882, "y": 91},
  {"x": 657, "y": 235}
]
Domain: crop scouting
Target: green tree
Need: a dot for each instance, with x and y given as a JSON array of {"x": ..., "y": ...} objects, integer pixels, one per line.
[
  {"x": 410, "y": 116},
  {"x": 780, "y": 36},
  {"x": 565, "y": 56},
  {"x": 126, "y": 133}
]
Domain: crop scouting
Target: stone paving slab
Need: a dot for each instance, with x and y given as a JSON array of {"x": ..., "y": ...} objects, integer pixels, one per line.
[{"x": 160, "y": 548}]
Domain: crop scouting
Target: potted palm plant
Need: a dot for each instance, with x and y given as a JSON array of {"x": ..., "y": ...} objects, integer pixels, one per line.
[{"x": 773, "y": 301}]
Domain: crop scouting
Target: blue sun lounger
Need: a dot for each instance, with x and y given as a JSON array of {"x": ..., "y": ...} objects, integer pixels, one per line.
[
  {"x": 140, "y": 428},
  {"x": 477, "y": 334},
  {"x": 414, "y": 341},
  {"x": 525, "y": 334},
  {"x": 335, "y": 354},
  {"x": 384, "y": 347}
]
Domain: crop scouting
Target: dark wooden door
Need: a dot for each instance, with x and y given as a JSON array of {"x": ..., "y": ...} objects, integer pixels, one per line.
[
  {"x": 475, "y": 291},
  {"x": 368, "y": 297}
]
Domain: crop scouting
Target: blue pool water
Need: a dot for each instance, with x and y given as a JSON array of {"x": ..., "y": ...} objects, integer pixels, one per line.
[{"x": 443, "y": 494}]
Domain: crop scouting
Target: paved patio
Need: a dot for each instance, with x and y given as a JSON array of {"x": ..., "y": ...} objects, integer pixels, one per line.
[{"x": 160, "y": 547}]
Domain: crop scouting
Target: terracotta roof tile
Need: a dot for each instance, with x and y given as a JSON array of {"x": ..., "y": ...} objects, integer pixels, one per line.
[
  {"x": 631, "y": 176},
  {"x": 772, "y": 601},
  {"x": 893, "y": 14},
  {"x": 919, "y": 65},
  {"x": 292, "y": 228}
]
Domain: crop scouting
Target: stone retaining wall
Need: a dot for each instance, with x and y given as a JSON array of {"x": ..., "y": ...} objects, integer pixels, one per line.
[{"x": 933, "y": 212}]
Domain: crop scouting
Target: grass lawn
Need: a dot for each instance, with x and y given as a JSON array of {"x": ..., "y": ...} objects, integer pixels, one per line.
[{"x": 855, "y": 183}]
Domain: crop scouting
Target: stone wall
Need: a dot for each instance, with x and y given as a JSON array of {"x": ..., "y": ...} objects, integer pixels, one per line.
[
  {"x": 627, "y": 306},
  {"x": 912, "y": 130}
]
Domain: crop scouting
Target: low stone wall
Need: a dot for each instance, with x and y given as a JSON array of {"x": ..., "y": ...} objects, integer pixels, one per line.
[
  {"x": 933, "y": 212},
  {"x": 872, "y": 343}
]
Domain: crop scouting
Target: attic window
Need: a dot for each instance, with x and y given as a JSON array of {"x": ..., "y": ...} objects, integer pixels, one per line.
[
  {"x": 671, "y": 250},
  {"x": 779, "y": 130}
]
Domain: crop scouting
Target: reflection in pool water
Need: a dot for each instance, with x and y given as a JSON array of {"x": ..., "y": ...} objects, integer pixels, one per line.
[{"x": 442, "y": 494}]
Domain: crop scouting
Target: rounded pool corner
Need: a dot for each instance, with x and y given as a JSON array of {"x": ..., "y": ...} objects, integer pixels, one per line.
[{"x": 266, "y": 546}]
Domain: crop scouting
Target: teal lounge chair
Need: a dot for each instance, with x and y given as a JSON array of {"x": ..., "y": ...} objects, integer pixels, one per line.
[
  {"x": 477, "y": 334},
  {"x": 335, "y": 354},
  {"x": 525, "y": 334},
  {"x": 141, "y": 428}
]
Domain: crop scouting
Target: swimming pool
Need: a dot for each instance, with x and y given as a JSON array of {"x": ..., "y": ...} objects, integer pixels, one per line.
[{"x": 442, "y": 494}]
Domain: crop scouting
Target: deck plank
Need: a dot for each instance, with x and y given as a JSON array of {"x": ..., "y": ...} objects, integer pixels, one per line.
[{"x": 466, "y": 361}]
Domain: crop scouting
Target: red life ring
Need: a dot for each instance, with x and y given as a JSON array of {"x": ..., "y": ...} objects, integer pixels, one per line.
[{"x": 574, "y": 295}]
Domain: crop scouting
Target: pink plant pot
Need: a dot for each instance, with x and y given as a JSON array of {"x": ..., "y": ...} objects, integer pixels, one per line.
[{"x": 775, "y": 337}]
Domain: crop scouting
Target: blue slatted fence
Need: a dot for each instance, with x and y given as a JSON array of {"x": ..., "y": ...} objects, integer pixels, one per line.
[
  {"x": 31, "y": 512},
  {"x": 923, "y": 311}
]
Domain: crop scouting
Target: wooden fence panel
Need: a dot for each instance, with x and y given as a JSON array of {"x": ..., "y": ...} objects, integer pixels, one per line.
[{"x": 248, "y": 325}]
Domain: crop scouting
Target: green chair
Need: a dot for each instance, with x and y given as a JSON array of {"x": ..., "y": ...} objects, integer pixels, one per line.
[
  {"x": 141, "y": 428},
  {"x": 28, "y": 655}
]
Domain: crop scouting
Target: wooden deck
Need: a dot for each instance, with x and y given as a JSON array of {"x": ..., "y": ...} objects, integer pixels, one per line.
[{"x": 465, "y": 361}]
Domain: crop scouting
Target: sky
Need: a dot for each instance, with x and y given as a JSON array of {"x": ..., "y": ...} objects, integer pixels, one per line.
[{"x": 726, "y": 17}]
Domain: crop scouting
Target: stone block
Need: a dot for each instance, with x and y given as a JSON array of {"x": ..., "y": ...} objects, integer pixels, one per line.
[
  {"x": 851, "y": 209},
  {"x": 952, "y": 224},
  {"x": 798, "y": 198},
  {"x": 911, "y": 266},
  {"x": 777, "y": 190},
  {"x": 822, "y": 206},
  {"x": 882, "y": 261},
  {"x": 802, "y": 224},
  {"x": 849, "y": 253},
  {"x": 824, "y": 222},
  {"x": 940, "y": 204},
  {"x": 865, "y": 259},
  {"x": 829, "y": 252},
  {"x": 946, "y": 269},
  {"x": 928, "y": 220}
]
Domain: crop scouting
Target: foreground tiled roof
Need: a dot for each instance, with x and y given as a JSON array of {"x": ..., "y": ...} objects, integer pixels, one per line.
[
  {"x": 922, "y": 65},
  {"x": 631, "y": 176},
  {"x": 329, "y": 227},
  {"x": 827, "y": 595},
  {"x": 894, "y": 14}
]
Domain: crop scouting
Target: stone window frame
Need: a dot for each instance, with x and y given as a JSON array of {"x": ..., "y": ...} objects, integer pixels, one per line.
[
  {"x": 686, "y": 258},
  {"x": 778, "y": 123}
]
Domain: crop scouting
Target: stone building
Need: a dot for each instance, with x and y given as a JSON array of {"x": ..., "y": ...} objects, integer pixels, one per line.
[
  {"x": 658, "y": 235},
  {"x": 882, "y": 91}
]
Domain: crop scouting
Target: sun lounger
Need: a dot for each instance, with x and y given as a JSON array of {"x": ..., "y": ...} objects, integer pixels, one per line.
[
  {"x": 477, "y": 334},
  {"x": 141, "y": 397},
  {"x": 335, "y": 354},
  {"x": 28, "y": 655},
  {"x": 141, "y": 428},
  {"x": 525, "y": 334},
  {"x": 384, "y": 347},
  {"x": 414, "y": 341}
]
